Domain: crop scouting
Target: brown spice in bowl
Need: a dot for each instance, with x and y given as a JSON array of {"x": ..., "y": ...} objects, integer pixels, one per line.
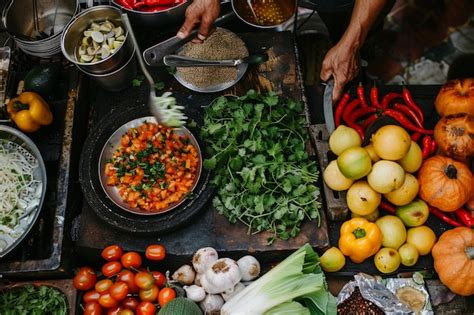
[{"x": 220, "y": 45}]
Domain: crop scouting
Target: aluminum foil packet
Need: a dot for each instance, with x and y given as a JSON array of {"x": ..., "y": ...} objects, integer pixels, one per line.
[
  {"x": 413, "y": 294},
  {"x": 379, "y": 292}
]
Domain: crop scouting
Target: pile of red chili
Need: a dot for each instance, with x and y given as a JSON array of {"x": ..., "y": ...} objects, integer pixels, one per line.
[
  {"x": 149, "y": 5},
  {"x": 358, "y": 113}
]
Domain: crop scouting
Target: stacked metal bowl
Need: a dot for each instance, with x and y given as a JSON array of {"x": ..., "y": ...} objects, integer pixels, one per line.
[{"x": 37, "y": 25}]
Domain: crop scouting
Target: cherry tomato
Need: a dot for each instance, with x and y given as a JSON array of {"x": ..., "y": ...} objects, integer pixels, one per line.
[
  {"x": 155, "y": 252},
  {"x": 146, "y": 308},
  {"x": 119, "y": 290},
  {"x": 130, "y": 303},
  {"x": 103, "y": 285},
  {"x": 107, "y": 301},
  {"x": 111, "y": 268},
  {"x": 149, "y": 295},
  {"x": 115, "y": 310},
  {"x": 92, "y": 308},
  {"x": 166, "y": 295},
  {"x": 144, "y": 280},
  {"x": 112, "y": 253},
  {"x": 126, "y": 312},
  {"x": 129, "y": 278},
  {"x": 131, "y": 259},
  {"x": 84, "y": 279},
  {"x": 160, "y": 278},
  {"x": 91, "y": 296}
]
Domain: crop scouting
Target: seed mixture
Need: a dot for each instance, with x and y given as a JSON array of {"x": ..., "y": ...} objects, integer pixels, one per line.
[{"x": 220, "y": 45}]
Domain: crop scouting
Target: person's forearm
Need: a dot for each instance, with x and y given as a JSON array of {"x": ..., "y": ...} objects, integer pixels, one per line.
[{"x": 364, "y": 15}]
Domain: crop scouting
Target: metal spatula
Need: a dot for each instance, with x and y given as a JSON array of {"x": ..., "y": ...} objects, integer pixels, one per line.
[{"x": 164, "y": 108}]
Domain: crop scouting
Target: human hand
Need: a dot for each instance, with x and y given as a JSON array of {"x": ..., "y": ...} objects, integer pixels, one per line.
[
  {"x": 202, "y": 12},
  {"x": 342, "y": 63}
]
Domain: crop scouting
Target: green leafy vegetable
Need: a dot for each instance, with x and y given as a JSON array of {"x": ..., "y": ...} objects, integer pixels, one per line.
[
  {"x": 264, "y": 176},
  {"x": 33, "y": 301},
  {"x": 298, "y": 278},
  {"x": 159, "y": 85},
  {"x": 138, "y": 80}
]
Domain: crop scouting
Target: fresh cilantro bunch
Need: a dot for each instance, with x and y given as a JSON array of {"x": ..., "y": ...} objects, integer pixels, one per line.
[
  {"x": 265, "y": 179},
  {"x": 33, "y": 301}
]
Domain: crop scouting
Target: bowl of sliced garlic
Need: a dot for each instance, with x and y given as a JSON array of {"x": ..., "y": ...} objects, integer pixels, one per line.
[{"x": 96, "y": 40}]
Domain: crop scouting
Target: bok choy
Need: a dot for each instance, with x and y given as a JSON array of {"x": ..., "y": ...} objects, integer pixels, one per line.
[{"x": 298, "y": 278}]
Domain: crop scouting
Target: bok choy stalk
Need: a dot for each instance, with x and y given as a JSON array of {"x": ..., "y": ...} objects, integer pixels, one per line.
[
  {"x": 289, "y": 308},
  {"x": 297, "y": 278}
]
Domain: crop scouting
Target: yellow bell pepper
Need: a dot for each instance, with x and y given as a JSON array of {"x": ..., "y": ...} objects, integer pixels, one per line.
[
  {"x": 29, "y": 111},
  {"x": 359, "y": 239}
]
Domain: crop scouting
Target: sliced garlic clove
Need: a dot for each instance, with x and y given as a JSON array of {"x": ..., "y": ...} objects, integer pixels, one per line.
[
  {"x": 118, "y": 31},
  {"x": 105, "y": 52},
  {"x": 117, "y": 44},
  {"x": 91, "y": 51},
  {"x": 86, "y": 58},
  {"x": 95, "y": 26},
  {"x": 105, "y": 28},
  {"x": 97, "y": 37},
  {"x": 110, "y": 42},
  {"x": 121, "y": 38}
]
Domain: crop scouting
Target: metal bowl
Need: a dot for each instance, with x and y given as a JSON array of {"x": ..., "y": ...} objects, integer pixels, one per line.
[
  {"x": 73, "y": 33},
  {"x": 114, "y": 142},
  {"x": 12, "y": 137},
  {"x": 238, "y": 6},
  {"x": 163, "y": 18}
]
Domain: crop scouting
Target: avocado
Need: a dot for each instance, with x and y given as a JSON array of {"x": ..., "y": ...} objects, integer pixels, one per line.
[{"x": 42, "y": 79}]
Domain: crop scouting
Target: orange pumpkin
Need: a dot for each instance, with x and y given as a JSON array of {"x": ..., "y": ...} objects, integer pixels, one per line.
[
  {"x": 456, "y": 96},
  {"x": 454, "y": 135},
  {"x": 445, "y": 183},
  {"x": 453, "y": 256}
]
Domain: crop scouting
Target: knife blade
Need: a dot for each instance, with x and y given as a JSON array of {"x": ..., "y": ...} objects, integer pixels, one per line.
[
  {"x": 153, "y": 56},
  {"x": 327, "y": 106}
]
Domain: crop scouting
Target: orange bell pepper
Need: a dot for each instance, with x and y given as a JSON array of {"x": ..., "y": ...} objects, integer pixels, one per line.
[
  {"x": 29, "y": 112},
  {"x": 359, "y": 239}
]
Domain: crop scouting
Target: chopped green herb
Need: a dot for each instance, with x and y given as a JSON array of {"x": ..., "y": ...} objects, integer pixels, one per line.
[{"x": 33, "y": 300}]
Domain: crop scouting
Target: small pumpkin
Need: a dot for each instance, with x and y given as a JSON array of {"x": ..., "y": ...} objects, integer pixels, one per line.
[
  {"x": 456, "y": 96},
  {"x": 453, "y": 257},
  {"x": 454, "y": 135},
  {"x": 445, "y": 183},
  {"x": 470, "y": 203}
]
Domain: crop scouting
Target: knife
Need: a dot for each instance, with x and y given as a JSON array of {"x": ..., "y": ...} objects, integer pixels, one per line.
[
  {"x": 327, "y": 106},
  {"x": 153, "y": 56}
]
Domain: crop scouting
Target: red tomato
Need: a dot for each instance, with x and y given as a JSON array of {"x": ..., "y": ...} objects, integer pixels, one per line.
[
  {"x": 160, "y": 278},
  {"x": 107, "y": 301},
  {"x": 149, "y": 295},
  {"x": 144, "y": 280},
  {"x": 119, "y": 290},
  {"x": 130, "y": 303},
  {"x": 129, "y": 278},
  {"x": 131, "y": 259},
  {"x": 155, "y": 252},
  {"x": 126, "y": 312},
  {"x": 84, "y": 279},
  {"x": 91, "y": 296},
  {"x": 112, "y": 253},
  {"x": 111, "y": 268},
  {"x": 115, "y": 310},
  {"x": 166, "y": 295},
  {"x": 92, "y": 308},
  {"x": 146, "y": 308},
  {"x": 103, "y": 285}
]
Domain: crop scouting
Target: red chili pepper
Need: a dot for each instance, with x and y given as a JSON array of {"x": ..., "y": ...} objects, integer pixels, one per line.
[
  {"x": 426, "y": 145},
  {"x": 124, "y": 3},
  {"x": 416, "y": 136},
  {"x": 441, "y": 215},
  {"x": 361, "y": 95},
  {"x": 152, "y": 3},
  {"x": 340, "y": 108},
  {"x": 405, "y": 122},
  {"x": 433, "y": 147},
  {"x": 374, "y": 97},
  {"x": 412, "y": 104},
  {"x": 465, "y": 216},
  {"x": 409, "y": 113},
  {"x": 387, "y": 207},
  {"x": 390, "y": 97},
  {"x": 346, "y": 115},
  {"x": 361, "y": 112},
  {"x": 368, "y": 121}
]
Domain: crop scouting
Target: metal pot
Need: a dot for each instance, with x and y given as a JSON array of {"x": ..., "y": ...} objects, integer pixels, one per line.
[
  {"x": 73, "y": 33},
  {"x": 286, "y": 8},
  {"x": 171, "y": 16}
]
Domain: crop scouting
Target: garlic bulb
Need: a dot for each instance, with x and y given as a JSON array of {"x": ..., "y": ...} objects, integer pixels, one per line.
[
  {"x": 221, "y": 276},
  {"x": 212, "y": 303},
  {"x": 203, "y": 258},
  {"x": 197, "y": 279},
  {"x": 228, "y": 294},
  {"x": 195, "y": 293},
  {"x": 184, "y": 275},
  {"x": 249, "y": 268}
]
